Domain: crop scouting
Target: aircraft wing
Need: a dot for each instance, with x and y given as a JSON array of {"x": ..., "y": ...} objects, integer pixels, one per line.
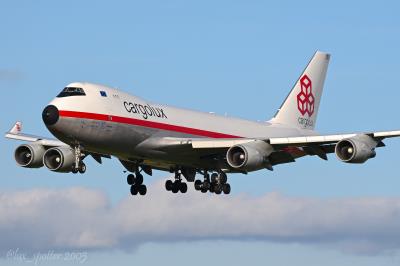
[
  {"x": 328, "y": 139},
  {"x": 302, "y": 141},
  {"x": 323, "y": 144},
  {"x": 285, "y": 149},
  {"x": 16, "y": 133},
  {"x": 287, "y": 141}
]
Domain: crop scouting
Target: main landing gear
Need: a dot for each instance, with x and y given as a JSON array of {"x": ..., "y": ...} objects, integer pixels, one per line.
[
  {"x": 136, "y": 183},
  {"x": 214, "y": 183},
  {"x": 177, "y": 185},
  {"x": 79, "y": 165},
  {"x": 217, "y": 183}
]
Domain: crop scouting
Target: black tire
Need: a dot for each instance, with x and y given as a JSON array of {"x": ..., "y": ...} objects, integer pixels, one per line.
[
  {"x": 206, "y": 185},
  {"x": 130, "y": 179},
  {"x": 183, "y": 187},
  {"x": 212, "y": 190},
  {"x": 74, "y": 170},
  {"x": 214, "y": 178},
  {"x": 223, "y": 178},
  {"x": 203, "y": 190},
  {"x": 142, "y": 189},
  {"x": 139, "y": 179},
  {"x": 169, "y": 185},
  {"x": 197, "y": 184},
  {"x": 82, "y": 168},
  {"x": 175, "y": 187},
  {"x": 134, "y": 190},
  {"x": 226, "y": 188},
  {"x": 206, "y": 178},
  {"x": 217, "y": 189}
]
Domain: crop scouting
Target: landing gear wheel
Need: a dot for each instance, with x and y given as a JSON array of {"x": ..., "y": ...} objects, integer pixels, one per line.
[
  {"x": 183, "y": 187},
  {"x": 217, "y": 189},
  {"x": 82, "y": 168},
  {"x": 169, "y": 185},
  {"x": 142, "y": 189},
  {"x": 197, "y": 184},
  {"x": 130, "y": 179},
  {"x": 139, "y": 179},
  {"x": 134, "y": 190},
  {"x": 223, "y": 178},
  {"x": 214, "y": 178},
  {"x": 212, "y": 186},
  {"x": 226, "y": 188},
  {"x": 207, "y": 185},
  {"x": 175, "y": 187},
  {"x": 74, "y": 170}
]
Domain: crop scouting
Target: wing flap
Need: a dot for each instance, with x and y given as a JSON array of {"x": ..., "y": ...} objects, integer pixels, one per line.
[
  {"x": 220, "y": 143},
  {"x": 309, "y": 139}
]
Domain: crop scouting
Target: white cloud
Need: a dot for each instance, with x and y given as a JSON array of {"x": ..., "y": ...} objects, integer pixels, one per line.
[{"x": 81, "y": 218}]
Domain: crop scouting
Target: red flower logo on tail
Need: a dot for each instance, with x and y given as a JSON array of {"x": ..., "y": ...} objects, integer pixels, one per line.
[{"x": 305, "y": 98}]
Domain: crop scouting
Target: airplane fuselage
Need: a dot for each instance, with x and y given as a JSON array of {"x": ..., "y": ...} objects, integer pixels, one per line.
[{"x": 109, "y": 121}]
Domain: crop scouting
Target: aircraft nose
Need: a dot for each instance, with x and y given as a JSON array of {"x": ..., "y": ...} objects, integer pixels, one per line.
[{"x": 50, "y": 115}]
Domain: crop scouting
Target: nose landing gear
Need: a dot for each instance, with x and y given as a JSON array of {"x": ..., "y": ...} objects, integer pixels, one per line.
[
  {"x": 81, "y": 168},
  {"x": 79, "y": 165}
]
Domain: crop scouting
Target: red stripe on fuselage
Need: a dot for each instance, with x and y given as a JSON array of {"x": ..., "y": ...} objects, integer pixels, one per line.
[{"x": 145, "y": 123}]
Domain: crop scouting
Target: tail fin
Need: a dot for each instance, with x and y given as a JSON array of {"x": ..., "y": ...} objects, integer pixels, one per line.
[
  {"x": 17, "y": 128},
  {"x": 300, "y": 108}
]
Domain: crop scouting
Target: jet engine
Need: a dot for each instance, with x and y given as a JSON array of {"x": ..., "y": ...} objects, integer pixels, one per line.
[
  {"x": 249, "y": 156},
  {"x": 29, "y": 155},
  {"x": 357, "y": 149},
  {"x": 59, "y": 159}
]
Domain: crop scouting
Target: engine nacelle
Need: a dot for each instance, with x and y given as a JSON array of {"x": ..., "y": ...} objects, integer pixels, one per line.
[
  {"x": 29, "y": 155},
  {"x": 357, "y": 149},
  {"x": 249, "y": 156},
  {"x": 59, "y": 159}
]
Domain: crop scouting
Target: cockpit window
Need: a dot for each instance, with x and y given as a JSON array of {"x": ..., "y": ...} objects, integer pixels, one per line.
[{"x": 71, "y": 91}]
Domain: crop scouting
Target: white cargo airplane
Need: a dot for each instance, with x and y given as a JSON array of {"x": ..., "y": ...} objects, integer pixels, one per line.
[{"x": 89, "y": 119}]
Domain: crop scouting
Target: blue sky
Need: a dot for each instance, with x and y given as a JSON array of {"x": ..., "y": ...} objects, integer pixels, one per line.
[{"x": 234, "y": 57}]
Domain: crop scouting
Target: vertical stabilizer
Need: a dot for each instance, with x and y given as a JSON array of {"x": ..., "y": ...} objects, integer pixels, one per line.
[
  {"x": 17, "y": 128},
  {"x": 300, "y": 108}
]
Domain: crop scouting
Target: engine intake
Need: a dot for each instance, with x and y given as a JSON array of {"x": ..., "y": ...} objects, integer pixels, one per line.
[
  {"x": 59, "y": 159},
  {"x": 29, "y": 155},
  {"x": 356, "y": 150},
  {"x": 249, "y": 156}
]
